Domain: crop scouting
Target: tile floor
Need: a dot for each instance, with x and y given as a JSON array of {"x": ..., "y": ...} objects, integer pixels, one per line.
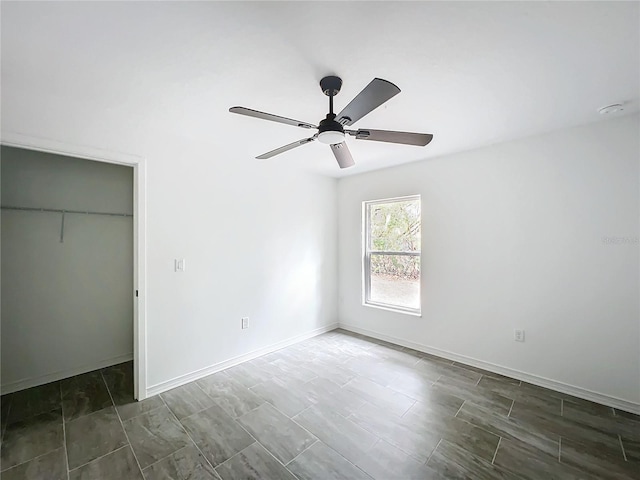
[{"x": 337, "y": 406}]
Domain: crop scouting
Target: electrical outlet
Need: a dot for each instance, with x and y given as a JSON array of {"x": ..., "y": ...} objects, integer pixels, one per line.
[
  {"x": 245, "y": 322},
  {"x": 179, "y": 265},
  {"x": 518, "y": 335}
]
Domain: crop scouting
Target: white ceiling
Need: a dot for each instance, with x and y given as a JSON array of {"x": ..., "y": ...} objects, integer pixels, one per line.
[{"x": 472, "y": 74}]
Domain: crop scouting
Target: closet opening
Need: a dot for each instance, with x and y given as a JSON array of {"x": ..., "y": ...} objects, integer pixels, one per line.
[{"x": 72, "y": 279}]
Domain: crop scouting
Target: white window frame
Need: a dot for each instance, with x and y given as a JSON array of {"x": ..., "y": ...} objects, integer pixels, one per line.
[{"x": 367, "y": 253}]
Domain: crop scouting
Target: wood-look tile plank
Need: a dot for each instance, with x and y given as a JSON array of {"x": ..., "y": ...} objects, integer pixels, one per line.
[
  {"x": 34, "y": 401},
  {"x": 84, "y": 394},
  {"x": 287, "y": 396},
  {"x": 154, "y": 435},
  {"x": 323, "y": 369},
  {"x": 187, "y": 400},
  {"x": 320, "y": 462},
  {"x": 380, "y": 396},
  {"x": 471, "y": 393},
  {"x": 601, "y": 460},
  {"x": 428, "y": 426},
  {"x": 408, "y": 435},
  {"x": 509, "y": 428},
  {"x": 30, "y": 438},
  {"x": 460, "y": 374},
  {"x": 216, "y": 434},
  {"x": 253, "y": 463},
  {"x": 384, "y": 462},
  {"x": 120, "y": 464},
  {"x": 413, "y": 383},
  {"x": 94, "y": 435},
  {"x": 395, "y": 358},
  {"x": 588, "y": 434},
  {"x": 372, "y": 369},
  {"x": 530, "y": 463},
  {"x": 324, "y": 392},
  {"x": 281, "y": 436},
  {"x": 185, "y": 464},
  {"x": 344, "y": 436},
  {"x": 454, "y": 462},
  {"x": 631, "y": 450},
  {"x": 232, "y": 396},
  {"x": 247, "y": 374},
  {"x": 50, "y": 466},
  {"x": 487, "y": 373},
  {"x": 436, "y": 401}
]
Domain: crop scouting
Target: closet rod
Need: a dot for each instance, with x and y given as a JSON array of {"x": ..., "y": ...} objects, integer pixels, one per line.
[{"x": 58, "y": 210}]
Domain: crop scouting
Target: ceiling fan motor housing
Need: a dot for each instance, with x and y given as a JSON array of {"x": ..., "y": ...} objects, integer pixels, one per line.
[{"x": 330, "y": 132}]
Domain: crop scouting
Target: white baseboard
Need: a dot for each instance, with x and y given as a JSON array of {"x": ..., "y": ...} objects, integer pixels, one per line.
[
  {"x": 509, "y": 372},
  {"x": 52, "y": 377},
  {"x": 203, "y": 372}
]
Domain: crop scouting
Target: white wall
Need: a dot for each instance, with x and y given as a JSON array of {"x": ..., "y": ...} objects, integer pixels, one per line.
[
  {"x": 513, "y": 238},
  {"x": 66, "y": 307},
  {"x": 259, "y": 241}
]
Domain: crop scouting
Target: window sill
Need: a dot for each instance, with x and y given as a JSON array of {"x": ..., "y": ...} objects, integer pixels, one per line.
[{"x": 391, "y": 309}]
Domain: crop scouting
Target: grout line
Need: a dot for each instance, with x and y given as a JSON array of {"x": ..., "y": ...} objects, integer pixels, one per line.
[
  {"x": 407, "y": 410},
  {"x": 290, "y": 418},
  {"x": 253, "y": 409},
  {"x": 513, "y": 402},
  {"x": 121, "y": 423},
  {"x": 562, "y": 407},
  {"x": 496, "y": 452},
  {"x": 613, "y": 410},
  {"x": 165, "y": 457},
  {"x": 433, "y": 451},
  {"x": 302, "y": 452},
  {"x": 624, "y": 454},
  {"x": 238, "y": 453},
  {"x": 481, "y": 375},
  {"x": 401, "y": 416},
  {"x": 520, "y": 384},
  {"x": 393, "y": 444},
  {"x": 463, "y": 402},
  {"x": 559, "y": 448},
  {"x": 6, "y": 423},
  {"x": 187, "y": 416},
  {"x": 64, "y": 433},
  {"x": 345, "y": 458},
  {"x": 302, "y": 411},
  {"x": 100, "y": 457},
  {"x": 188, "y": 435}
]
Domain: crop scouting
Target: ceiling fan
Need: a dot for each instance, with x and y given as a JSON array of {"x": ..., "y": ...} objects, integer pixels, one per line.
[{"x": 331, "y": 130}]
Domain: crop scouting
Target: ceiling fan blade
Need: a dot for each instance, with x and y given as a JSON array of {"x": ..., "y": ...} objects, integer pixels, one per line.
[
  {"x": 343, "y": 155},
  {"x": 286, "y": 148},
  {"x": 271, "y": 117},
  {"x": 373, "y": 95},
  {"x": 407, "y": 138}
]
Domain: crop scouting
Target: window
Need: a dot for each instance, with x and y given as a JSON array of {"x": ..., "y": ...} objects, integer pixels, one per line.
[{"x": 392, "y": 253}]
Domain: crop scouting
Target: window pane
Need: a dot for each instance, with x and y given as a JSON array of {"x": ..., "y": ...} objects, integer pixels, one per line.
[
  {"x": 395, "y": 226},
  {"x": 395, "y": 280}
]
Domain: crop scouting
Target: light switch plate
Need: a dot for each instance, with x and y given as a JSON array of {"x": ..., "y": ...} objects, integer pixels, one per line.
[{"x": 179, "y": 265}]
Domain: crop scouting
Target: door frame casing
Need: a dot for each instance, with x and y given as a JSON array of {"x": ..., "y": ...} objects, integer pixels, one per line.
[{"x": 138, "y": 163}]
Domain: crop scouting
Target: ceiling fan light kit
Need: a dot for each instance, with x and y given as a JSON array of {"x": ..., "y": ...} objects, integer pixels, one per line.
[{"x": 331, "y": 129}]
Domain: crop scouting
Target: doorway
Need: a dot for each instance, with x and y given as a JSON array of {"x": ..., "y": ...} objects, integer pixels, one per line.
[{"x": 71, "y": 218}]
